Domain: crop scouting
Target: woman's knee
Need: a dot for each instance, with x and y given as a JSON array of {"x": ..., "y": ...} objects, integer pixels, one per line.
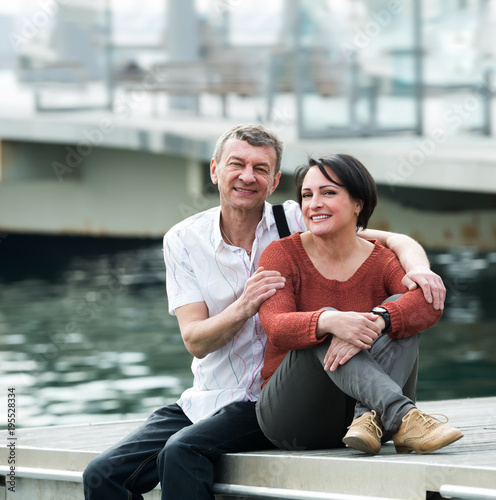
[
  {"x": 392, "y": 298},
  {"x": 412, "y": 343}
]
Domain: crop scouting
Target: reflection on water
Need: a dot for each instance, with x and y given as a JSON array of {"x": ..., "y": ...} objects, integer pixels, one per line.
[
  {"x": 85, "y": 329},
  {"x": 86, "y": 335},
  {"x": 458, "y": 356}
]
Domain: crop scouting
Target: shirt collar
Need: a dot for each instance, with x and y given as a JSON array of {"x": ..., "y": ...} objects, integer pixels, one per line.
[
  {"x": 217, "y": 235},
  {"x": 266, "y": 222},
  {"x": 268, "y": 218}
]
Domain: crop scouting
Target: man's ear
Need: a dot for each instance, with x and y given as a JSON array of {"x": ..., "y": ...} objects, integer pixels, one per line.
[
  {"x": 275, "y": 183},
  {"x": 213, "y": 171}
]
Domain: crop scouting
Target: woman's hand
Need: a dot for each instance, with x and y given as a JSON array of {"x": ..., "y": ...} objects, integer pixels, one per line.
[
  {"x": 358, "y": 329},
  {"x": 339, "y": 353}
]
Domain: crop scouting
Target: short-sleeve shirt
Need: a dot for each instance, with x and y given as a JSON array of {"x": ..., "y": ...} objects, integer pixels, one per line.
[{"x": 202, "y": 267}]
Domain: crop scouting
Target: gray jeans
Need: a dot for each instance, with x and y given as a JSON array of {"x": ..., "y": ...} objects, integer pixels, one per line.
[{"x": 304, "y": 407}]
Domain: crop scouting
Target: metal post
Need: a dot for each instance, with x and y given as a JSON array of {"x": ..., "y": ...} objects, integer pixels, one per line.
[
  {"x": 182, "y": 43},
  {"x": 418, "y": 67},
  {"x": 466, "y": 492},
  {"x": 271, "y": 87},
  {"x": 108, "y": 48},
  {"x": 262, "y": 492},
  {"x": 294, "y": 6},
  {"x": 353, "y": 90},
  {"x": 487, "y": 127},
  {"x": 373, "y": 95}
]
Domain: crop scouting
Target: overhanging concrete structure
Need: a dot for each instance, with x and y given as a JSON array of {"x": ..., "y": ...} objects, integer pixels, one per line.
[{"x": 104, "y": 173}]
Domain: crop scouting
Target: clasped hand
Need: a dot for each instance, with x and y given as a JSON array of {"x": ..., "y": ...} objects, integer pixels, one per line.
[{"x": 352, "y": 332}]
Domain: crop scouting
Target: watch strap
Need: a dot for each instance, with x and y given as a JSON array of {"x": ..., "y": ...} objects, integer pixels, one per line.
[{"x": 381, "y": 311}]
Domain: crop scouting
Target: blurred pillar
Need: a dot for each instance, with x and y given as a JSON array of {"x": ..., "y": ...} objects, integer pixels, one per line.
[
  {"x": 182, "y": 42},
  {"x": 418, "y": 66},
  {"x": 182, "y": 30},
  {"x": 224, "y": 28},
  {"x": 108, "y": 54},
  {"x": 291, "y": 40},
  {"x": 290, "y": 24}
]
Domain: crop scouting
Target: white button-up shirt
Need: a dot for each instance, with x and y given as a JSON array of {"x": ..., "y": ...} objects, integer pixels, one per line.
[{"x": 202, "y": 267}]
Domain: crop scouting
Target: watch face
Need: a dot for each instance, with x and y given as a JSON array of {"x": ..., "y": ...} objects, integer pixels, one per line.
[{"x": 379, "y": 309}]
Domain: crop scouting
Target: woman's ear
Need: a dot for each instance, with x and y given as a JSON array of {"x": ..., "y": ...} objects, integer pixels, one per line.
[{"x": 358, "y": 206}]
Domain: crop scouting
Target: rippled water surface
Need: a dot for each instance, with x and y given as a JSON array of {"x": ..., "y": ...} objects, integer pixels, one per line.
[{"x": 86, "y": 335}]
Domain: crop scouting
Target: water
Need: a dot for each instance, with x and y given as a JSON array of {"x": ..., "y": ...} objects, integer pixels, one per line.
[
  {"x": 85, "y": 329},
  {"x": 86, "y": 335}
]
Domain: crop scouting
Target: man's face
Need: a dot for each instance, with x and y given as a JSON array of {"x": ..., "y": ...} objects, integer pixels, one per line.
[{"x": 245, "y": 174}]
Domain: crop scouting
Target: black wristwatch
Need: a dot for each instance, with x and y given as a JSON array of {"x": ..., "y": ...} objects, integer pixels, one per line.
[{"x": 385, "y": 315}]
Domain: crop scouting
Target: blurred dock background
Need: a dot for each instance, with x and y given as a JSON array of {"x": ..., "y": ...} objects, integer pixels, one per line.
[{"x": 109, "y": 112}]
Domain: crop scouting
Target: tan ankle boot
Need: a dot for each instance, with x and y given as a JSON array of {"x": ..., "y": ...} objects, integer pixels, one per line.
[
  {"x": 365, "y": 433},
  {"x": 423, "y": 433}
]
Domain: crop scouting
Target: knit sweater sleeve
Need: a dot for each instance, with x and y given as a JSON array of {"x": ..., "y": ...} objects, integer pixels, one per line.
[
  {"x": 285, "y": 326},
  {"x": 411, "y": 313}
]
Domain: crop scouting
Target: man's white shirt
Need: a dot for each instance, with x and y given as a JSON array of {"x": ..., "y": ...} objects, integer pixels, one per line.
[{"x": 202, "y": 267}]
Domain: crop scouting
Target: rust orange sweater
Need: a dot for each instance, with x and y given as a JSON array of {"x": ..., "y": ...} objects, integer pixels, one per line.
[{"x": 290, "y": 317}]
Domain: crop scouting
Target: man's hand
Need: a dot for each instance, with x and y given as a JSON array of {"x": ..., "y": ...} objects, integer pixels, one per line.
[
  {"x": 203, "y": 334},
  {"x": 431, "y": 284},
  {"x": 258, "y": 288},
  {"x": 414, "y": 261},
  {"x": 339, "y": 353}
]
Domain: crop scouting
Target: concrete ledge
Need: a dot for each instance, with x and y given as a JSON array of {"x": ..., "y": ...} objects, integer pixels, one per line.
[
  {"x": 50, "y": 462},
  {"x": 403, "y": 160}
]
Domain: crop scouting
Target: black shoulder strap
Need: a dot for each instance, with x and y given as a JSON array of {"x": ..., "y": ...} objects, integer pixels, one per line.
[{"x": 281, "y": 222}]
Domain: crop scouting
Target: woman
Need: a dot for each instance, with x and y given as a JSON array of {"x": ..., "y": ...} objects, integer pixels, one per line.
[{"x": 338, "y": 352}]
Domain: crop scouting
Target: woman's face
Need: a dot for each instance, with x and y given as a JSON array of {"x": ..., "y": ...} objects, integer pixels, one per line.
[{"x": 327, "y": 207}]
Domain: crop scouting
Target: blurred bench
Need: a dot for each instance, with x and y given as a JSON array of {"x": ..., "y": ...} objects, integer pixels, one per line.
[{"x": 193, "y": 78}]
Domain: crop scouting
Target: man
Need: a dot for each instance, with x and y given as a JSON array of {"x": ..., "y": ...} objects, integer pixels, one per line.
[{"x": 215, "y": 290}]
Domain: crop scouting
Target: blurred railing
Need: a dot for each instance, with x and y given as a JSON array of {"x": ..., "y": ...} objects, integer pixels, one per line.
[
  {"x": 194, "y": 78},
  {"x": 329, "y": 92}
]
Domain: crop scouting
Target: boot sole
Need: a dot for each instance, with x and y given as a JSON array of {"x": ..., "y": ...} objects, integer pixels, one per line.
[
  {"x": 359, "y": 444},
  {"x": 407, "y": 449}
]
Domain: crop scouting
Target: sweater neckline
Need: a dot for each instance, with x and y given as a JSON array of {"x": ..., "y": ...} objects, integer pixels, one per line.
[{"x": 357, "y": 275}]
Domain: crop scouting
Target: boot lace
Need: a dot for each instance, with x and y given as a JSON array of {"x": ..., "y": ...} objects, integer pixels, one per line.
[
  {"x": 373, "y": 421},
  {"x": 428, "y": 420}
]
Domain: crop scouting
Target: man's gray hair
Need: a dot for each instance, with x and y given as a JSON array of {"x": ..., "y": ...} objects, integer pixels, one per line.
[{"x": 255, "y": 135}]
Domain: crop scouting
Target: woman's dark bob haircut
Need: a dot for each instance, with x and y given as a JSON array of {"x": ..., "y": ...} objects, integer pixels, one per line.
[{"x": 350, "y": 174}]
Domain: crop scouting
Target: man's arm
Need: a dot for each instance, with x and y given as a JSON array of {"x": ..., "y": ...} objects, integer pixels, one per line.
[
  {"x": 203, "y": 334},
  {"x": 415, "y": 263}
]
